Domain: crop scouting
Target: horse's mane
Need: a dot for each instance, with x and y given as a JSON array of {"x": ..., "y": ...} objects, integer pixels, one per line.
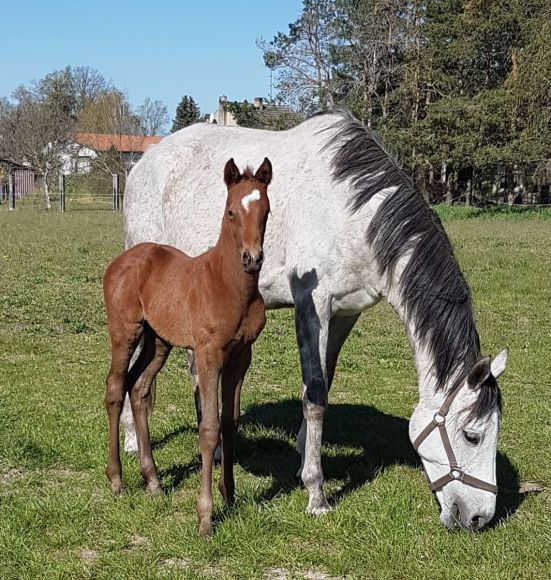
[{"x": 432, "y": 287}]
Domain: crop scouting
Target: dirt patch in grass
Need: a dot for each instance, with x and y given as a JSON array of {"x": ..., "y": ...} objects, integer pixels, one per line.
[{"x": 284, "y": 574}]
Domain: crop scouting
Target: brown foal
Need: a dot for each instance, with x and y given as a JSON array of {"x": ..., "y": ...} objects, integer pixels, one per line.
[{"x": 209, "y": 304}]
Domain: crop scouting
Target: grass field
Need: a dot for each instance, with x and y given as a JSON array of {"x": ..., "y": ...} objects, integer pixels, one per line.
[{"x": 59, "y": 520}]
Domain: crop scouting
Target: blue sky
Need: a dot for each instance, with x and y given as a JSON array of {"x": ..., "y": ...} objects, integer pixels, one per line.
[{"x": 160, "y": 49}]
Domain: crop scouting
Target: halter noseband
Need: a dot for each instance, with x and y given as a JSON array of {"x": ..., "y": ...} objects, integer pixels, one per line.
[{"x": 455, "y": 473}]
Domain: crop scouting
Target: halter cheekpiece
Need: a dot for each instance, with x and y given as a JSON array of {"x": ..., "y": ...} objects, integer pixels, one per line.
[{"x": 455, "y": 473}]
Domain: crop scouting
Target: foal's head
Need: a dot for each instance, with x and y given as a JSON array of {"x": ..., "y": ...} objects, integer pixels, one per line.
[{"x": 247, "y": 209}]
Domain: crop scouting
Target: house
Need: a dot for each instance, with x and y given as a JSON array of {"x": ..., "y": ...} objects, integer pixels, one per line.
[
  {"x": 22, "y": 178},
  {"x": 86, "y": 147},
  {"x": 267, "y": 112}
]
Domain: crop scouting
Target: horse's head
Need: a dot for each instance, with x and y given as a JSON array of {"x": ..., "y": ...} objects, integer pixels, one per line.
[
  {"x": 247, "y": 209},
  {"x": 457, "y": 442}
]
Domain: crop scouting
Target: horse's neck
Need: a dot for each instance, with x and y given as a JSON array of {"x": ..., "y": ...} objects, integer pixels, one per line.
[{"x": 424, "y": 362}]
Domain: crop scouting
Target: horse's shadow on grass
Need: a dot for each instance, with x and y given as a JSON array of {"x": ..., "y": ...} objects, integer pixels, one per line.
[{"x": 360, "y": 441}]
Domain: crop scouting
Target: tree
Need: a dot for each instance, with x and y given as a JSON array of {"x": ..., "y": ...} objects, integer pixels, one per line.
[
  {"x": 302, "y": 57},
  {"x": 37, "y": 129},
  {"x": 187, "y": 113},
  {"x": 153, "y": 117}
]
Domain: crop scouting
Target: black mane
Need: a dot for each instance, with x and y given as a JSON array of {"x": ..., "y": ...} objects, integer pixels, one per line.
[{"x": 432, "y": 287}]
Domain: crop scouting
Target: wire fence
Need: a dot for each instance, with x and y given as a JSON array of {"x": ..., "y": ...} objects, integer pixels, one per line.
[
  {"x": 66, "y": 199},
  {"x": 70, "y": 199}
]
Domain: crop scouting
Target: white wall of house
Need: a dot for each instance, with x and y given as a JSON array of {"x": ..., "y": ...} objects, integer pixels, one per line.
[{"x": 77, "y": 159}]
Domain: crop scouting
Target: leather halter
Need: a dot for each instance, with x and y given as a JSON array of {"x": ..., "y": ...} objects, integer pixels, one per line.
[{"x": 455, "y": 473}]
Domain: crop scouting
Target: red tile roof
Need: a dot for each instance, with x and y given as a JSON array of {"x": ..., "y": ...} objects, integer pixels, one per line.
[{"x": 123, "y": 143}]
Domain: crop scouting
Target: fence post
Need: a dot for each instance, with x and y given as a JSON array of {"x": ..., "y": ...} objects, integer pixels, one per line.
[
  {"x": 11, "y": 192},
  {"x": 116, "y": 196},
  {"x": 62, "y": 193}
]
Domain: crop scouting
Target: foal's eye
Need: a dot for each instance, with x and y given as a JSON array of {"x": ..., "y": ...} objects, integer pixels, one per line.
[
  {"x": 230, "y": 214},
  {"x": 472, "y": 438}
]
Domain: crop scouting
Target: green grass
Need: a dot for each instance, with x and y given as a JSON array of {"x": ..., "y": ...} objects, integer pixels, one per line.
[{"x": 59, "y": 520}]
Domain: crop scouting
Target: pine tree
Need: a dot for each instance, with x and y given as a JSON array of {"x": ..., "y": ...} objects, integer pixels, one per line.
[{"x": 187, "y": 113}]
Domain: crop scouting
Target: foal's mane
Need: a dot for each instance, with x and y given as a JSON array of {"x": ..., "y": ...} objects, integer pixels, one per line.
[{"x": 433, "y": 289}]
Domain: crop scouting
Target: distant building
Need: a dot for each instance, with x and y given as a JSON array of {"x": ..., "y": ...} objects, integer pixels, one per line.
[
  {"x": 222, "y": 116},
  {"x": 22, "y": 178},
  {"x": 268, "y": 112},
  {"x": 86, "y": 147}
]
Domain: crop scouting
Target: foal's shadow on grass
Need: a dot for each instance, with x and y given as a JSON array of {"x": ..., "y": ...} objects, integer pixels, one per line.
[
  {"x": 360, "y": 442},
  {"x": 173, "y": 476}
]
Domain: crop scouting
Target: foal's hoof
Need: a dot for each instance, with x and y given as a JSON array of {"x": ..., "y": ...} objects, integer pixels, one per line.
[
  {"x": 205, "y": 528},
  {"x": 116, "y": 487},
  {"x": 154, "y": 489}
]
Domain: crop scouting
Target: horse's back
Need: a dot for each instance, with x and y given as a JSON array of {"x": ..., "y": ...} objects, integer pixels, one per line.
[{"x": 175, "y": 195}]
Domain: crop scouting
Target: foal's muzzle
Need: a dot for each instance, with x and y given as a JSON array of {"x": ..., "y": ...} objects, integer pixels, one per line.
[{"x": 252, "y": 263}]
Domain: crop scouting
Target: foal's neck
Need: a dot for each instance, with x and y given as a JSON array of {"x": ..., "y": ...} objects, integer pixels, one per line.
[{"x": 226, "y": 259}]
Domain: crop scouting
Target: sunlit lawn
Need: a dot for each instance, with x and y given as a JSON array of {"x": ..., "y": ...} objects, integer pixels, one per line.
[{"x": 57, "y": 515}]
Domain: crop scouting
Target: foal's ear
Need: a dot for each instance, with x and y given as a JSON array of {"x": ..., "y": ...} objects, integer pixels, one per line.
[
  {"x": 264, "y": 172},
  {"x": 479, "y": 373},
  {"x": 231, "y": 173}
]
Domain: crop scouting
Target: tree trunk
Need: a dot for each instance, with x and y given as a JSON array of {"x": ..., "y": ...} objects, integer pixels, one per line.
[
  {"x": 445, "y": 182},
  {"x": 47, "y": 191}
]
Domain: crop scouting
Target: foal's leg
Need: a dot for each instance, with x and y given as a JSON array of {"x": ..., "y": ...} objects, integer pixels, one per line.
[
  {"x": 209, "y": 364},
  {"x": 155, "y": 353},
  {"x": 122, "y": 347},
  {"x": 339, "y": 329},
  {"x": 192, "y": 368},
  {"x": 232, "y": 380}
]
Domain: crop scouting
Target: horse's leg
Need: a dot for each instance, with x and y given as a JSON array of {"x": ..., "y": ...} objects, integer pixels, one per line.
[
  {"x": 312, "y": 313},
  {"x": 127, "y": 419},
  {"x": 209, "y": 364},
  {"x": 121, "y": 353},
  {"x": 192, "y": 368},
  {"x": 155, "y": 352},
  {"x": 232, "y": 380},
  {"x": 339, "y": 329}
]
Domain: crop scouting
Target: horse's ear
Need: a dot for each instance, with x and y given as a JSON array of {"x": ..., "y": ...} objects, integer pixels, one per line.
[
  {"x": 231, "y": 173},
  {"x": 479, "y": 373},
  {"x": 499, "y": 363},
  {"x": 264, "y": 172}
]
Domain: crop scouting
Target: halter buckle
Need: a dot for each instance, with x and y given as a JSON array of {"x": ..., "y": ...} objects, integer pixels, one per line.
[
  {"x": 439, "y": 419},
  {"x": 457, "y": 474}
]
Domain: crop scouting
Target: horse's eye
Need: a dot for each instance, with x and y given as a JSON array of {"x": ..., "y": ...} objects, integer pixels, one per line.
[
  {"x": 472, "y": 438},
  {"x": 230, "y": 214}
]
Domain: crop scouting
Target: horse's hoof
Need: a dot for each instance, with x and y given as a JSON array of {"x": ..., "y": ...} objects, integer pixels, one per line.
[
  {"x": 205, "y": 529},
  {"x": 218, "y": 455},
  {"x": 319, "y": 510},
  {"x": 131, "y": 451},
  {"x": 131, "y": 446}
]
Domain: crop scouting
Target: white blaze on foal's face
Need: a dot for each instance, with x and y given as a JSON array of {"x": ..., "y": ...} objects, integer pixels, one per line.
[{"x": 253, "y": 196}]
